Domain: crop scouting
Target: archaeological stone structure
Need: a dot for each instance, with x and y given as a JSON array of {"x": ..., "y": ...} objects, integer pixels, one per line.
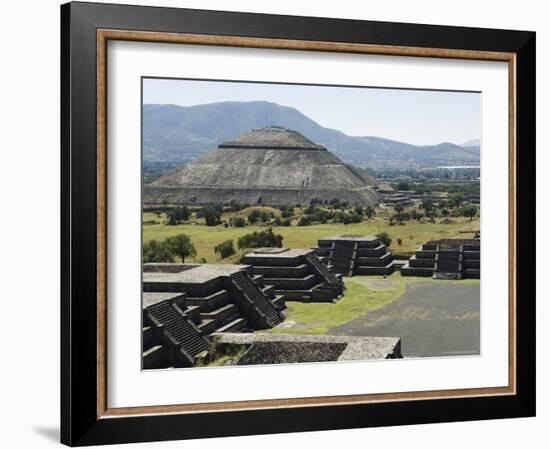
[
  {"x": 261, "y": 349},
  {"x": 270, "y": 166},
  {"x": 351, "y": 255},
  {"x": 295, "y": 274},
  {"x": 184, "y": 303},
  {"x": 445, "y": 259}
]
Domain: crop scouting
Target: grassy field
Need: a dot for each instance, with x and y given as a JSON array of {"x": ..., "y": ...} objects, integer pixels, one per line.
[
  {"x": 363, "y": 294},
  {"x": 412, "y": 233}
]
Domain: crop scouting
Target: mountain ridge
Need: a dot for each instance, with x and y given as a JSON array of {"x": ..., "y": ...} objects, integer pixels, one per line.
[{"x": 179, "y": 134}]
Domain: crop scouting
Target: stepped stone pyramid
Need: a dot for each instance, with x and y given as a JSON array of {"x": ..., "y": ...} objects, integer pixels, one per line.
[
  {"x": 445, "y": 259},
  {"x": 271, "y": 166},
  {"x": 355, "y": 255},
  {"x": 183, "y": 304},
  {"x": 295, "y": 274}
]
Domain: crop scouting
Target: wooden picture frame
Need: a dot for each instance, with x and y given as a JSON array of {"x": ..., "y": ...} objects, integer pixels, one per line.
[{"x": 85, "y": 416}]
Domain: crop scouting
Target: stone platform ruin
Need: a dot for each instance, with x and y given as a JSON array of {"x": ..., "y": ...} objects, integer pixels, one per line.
[
  {"x": 295, "y": 274},
  {"x": 445, "y": 259},
  {"x": 351, "y": 255},
  {"x": 265, "y": 349},
  {"x": 184, "y": 303}
]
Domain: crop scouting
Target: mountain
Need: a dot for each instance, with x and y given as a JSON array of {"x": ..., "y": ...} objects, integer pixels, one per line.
[
  {"x": 471, "y": 143},
  {"x": 175, "y": 134}
]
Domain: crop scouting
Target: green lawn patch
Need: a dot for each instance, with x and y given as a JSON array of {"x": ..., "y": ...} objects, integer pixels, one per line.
[
  {"x": 363, "y": 294},
  {"x": 412, "y": 234}
]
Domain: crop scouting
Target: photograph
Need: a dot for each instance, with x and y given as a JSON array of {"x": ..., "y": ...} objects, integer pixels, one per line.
[{"x": 305, "y": 223}]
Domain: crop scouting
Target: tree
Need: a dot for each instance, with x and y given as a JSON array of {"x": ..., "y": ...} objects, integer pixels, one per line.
[
  {"x": 157, "y": 252},
  {"x": 403, "y": 186},
  {"x": 370, "y": 212},
  {"x": 384, "y": 238},
  {"x": 456, "y": 200},
  {"x": 181, "y": 245},
  {"x": 470, "y": 211},
  {"x": 225, "y": 249},
  {"x": 427, "y": 205},
  {"x": 177, "y": 215},
  {"x": 212, "y": 215}
]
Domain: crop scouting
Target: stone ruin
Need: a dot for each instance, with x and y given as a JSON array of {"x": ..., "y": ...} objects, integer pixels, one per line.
[
  {"x": 183, "y": 304},
  {"x": 445, "y": 259},
  {"x": 264, "y": 349},
  {"x": 351, "y": 255},
  {"x": 295, "y": 274},
  {"x": 270, "y": 166}
]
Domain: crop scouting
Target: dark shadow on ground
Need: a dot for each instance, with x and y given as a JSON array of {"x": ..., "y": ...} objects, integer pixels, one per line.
[{"x": 432, "y": 320}]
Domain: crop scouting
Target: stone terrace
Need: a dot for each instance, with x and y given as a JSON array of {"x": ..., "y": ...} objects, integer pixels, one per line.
[
  {"x": 446, "y": 259},
  {"x": 355, "y": 255},
  {"x": 296, "y": 274},
  {"x": 280, "y": 348},
  {"x": 184, "y": 303}
]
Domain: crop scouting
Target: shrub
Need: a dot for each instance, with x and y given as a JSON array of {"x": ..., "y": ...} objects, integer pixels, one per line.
[
  {"x": 235, "y": 206},
  {"x": 239, "y": 222},
  {"x": 287, "y": 222},
  {"x": 287, "y": 213},
  {"x": 304, "y": 221},
  {"x": 254, "y": 216},
  {"x": 351, "y": 218},
  {"x": 225, "y": 249},
  {"x": 384, "y": 238},
  {"x": 212, "y": 215},
  {"x": 399, "y": 241},
  {"x": 259, "y": 239},
  {"x": 265, "y": 217}
]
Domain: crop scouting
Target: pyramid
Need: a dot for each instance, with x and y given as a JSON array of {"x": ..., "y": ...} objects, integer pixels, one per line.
[{"x": 269, "y": 166}]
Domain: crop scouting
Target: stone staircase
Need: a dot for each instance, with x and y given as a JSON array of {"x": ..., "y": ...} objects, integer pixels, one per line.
[
  {"x": 343, "y": 256},
  {"x": 256, "y": 297},
  {"x": 323, "y": 271},
  {"x": 178, "y": 328},
  {"x": 448, "y": 265}
]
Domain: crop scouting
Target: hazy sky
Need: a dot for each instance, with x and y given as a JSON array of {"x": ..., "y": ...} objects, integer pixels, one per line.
[{"x": 414, "y": 116}]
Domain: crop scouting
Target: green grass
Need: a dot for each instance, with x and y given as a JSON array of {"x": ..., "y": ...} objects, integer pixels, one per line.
[
  {"x": 363, "y": 294},
  {"x": 413, "y": 234}
]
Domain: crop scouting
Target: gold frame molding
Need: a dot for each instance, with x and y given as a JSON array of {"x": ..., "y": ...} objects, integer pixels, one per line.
[{"x": 105, "y": 35}]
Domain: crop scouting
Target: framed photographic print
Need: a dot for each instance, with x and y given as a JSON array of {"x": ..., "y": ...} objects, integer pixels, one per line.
[{"x": 279, "y": 224}]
